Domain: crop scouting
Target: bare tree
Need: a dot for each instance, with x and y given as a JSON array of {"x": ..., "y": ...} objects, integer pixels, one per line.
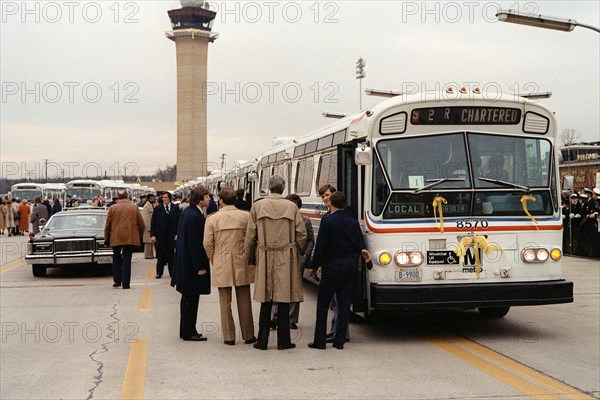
[{"x": 569, "y": 136}]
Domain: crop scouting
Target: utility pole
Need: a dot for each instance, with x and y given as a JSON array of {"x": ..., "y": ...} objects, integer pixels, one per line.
[
  {"x": 223, "y": 161},
  {"x": 360, "y": 74},
  {"x": 46, "y": 168}
]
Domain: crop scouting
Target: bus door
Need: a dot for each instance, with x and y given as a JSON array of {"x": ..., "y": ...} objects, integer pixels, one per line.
[{"x": 348, "y": 183}]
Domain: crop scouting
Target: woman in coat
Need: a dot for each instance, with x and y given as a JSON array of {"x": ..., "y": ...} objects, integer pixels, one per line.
[
  {"x": 2, "y": 216},
  {"x": 192, "y": 268},
  {"x": 9, "y": 217},
  {"x": 24, "y": 219}
]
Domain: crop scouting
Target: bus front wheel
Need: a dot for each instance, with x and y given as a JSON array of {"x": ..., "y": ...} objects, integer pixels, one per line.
[{"x": 493, "y": 312}]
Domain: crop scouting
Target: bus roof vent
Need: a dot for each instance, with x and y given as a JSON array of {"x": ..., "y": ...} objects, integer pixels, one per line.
[
  {"x": 535, "y": 123},
  {"x": 393, "y": 124}
]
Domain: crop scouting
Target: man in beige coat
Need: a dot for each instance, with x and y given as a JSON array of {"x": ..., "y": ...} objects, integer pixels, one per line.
[
  {"x": 147, "y": 211},
  {"x": 277, "y": 228},
  {"x": 224, "y": 235}
]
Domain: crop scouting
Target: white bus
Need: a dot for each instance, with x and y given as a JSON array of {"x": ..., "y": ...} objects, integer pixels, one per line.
[
  {"x": 53, "y": 191},
  {"x": 27, "y": 191},
  {"x": 111, "y": 189},
  {"x": 457, "y": 196},
  {"x": 83, "y": 190}
]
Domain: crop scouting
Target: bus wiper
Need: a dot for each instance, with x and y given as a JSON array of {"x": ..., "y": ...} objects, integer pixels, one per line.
[
  {"x": 438, "y": 181},
  {"x": 526, "y": 189}
]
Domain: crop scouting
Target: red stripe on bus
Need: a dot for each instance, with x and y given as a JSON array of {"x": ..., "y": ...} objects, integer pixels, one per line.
[{"x": 453, "y": 229}]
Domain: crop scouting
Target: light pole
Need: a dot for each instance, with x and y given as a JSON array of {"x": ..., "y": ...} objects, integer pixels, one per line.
[
  {"x": 360, "y": 74},
  {"x": 540, "y": 21}
]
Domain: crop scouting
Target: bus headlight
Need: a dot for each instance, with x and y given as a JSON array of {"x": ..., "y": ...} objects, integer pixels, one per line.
[
  {"x": 555, "y": 254},
  {"x": 384, "y": 258},
  {"x": 529, "y": 255},
  {"x": 535, "y": 255},
  {"x": 408, "y": 259}
]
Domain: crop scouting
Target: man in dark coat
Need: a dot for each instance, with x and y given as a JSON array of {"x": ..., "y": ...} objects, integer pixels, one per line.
[
  {"x": 192, "y": 267},
  {"x": 339, "y": 243},
  {"x": 163, "y": 233}
]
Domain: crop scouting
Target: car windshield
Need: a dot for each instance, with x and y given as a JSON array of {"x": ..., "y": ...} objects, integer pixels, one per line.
[
  {"x": 75, "y": 222},
  {"x": 477, "y": 174}
]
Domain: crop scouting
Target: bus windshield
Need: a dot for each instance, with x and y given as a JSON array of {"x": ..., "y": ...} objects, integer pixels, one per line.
[
  {"x": 83, "y": 193},
  {"x": 26, "y": 194},
  {"x": 478, "y": 174}
]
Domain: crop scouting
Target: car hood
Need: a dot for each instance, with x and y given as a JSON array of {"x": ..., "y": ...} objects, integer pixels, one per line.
[{"x": 67, "y": 234}]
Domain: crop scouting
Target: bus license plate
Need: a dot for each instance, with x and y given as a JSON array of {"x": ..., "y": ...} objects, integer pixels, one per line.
[{"x": 408, "y": 275}]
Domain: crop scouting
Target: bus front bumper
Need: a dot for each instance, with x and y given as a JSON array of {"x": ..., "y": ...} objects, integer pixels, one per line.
[{"x": 398, "y": 297}]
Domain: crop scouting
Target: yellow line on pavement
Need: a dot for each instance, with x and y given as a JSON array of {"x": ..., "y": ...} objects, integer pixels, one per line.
[
  {"x": 149, "y": 272},
  {"x": 133, "y": 384},
  {"x": 525, "y": 371},
  {"x": 9, "y": 266},
  {"x": 526, "y": 380},
  {"x": 146, "y": 300}
]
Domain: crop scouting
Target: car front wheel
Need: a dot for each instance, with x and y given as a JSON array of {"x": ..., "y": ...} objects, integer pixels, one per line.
[{"x": 38, "y": 270}]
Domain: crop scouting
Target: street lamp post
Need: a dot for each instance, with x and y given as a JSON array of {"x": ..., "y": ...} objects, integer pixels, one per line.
[{"x": 540, "y": 21}]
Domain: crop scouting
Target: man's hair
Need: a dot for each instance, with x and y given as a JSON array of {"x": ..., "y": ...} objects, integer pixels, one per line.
[
  {"x": 122, "y": 194},
  {"x": 197, "y": 194},
  {"x": 325, "y": 188},
  {"x": 150, "y": 196},
  {"x": 227, "y": 195},
  {"x": 169, "y": 195},
  {"x": 276, "y": 184},
  {"x": 338, "y": 200},
  {"x": 143, "y": 196},
  {"x": 295, "y": 198}
]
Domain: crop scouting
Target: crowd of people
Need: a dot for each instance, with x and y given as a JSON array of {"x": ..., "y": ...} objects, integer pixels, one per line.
[
  {"x": 581, "y": 223},
  {"x": 232, "y": 244},
  {"x": 16, "y": 216}
]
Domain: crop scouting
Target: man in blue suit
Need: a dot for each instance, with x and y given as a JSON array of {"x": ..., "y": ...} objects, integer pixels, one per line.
[
  {"x": 192, "y": 267},
  {"x": 163, "y": 233},
  {"x": 339, "y": 243}
]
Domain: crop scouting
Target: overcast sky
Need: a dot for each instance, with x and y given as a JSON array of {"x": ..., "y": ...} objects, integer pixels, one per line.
[{"x": 92, "y": 85}]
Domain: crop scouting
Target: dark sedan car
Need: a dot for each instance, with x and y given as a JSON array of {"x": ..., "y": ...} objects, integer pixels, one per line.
[{"x": 70, "y": 237}]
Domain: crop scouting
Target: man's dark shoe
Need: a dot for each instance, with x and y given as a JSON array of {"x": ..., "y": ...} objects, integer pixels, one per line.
[
  {"x": 312, "y": 345},
  {"x": 126, "y": 287},
  {"x": 197, "y": 338},
  {"x": 339, "y": 346},
  {"x": 229, "y": 342},
  {"x": 286, "y": 346},
  {"x": 117, "y": 284},
  {"x": 330, "y": 340},
  {"x": 250, "y": 341},
  {"x": 329, "y": 335},
  {"x": 293, "y": 325},
  {"x": 259, "y": 346},
  {"x": 158, "y": 276}
]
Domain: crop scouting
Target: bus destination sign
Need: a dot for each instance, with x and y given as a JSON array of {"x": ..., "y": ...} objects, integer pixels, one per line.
[{"x": 465, "y": 115}]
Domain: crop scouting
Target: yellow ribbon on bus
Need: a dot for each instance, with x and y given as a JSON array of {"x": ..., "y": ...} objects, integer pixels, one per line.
[
  {"x": 524, "y": 200},
  {"x": 437, "y": 206},
  {"x": 478, "y": 242}
]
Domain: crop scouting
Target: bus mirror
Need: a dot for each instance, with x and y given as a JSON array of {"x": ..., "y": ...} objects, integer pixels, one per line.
[
  {"x": 568, "y": 182},
  {"x": 363, "y": 155},
  {"x": 252, "y": 176}
]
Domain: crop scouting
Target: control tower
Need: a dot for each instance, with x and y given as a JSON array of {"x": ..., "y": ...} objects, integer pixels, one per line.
[{"x": 191, "y": 33}]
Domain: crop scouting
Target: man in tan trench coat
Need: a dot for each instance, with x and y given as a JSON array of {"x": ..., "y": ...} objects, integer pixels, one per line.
[
  {"x": 278, "y": 229},
  {"x": 224, "y": 235}
]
